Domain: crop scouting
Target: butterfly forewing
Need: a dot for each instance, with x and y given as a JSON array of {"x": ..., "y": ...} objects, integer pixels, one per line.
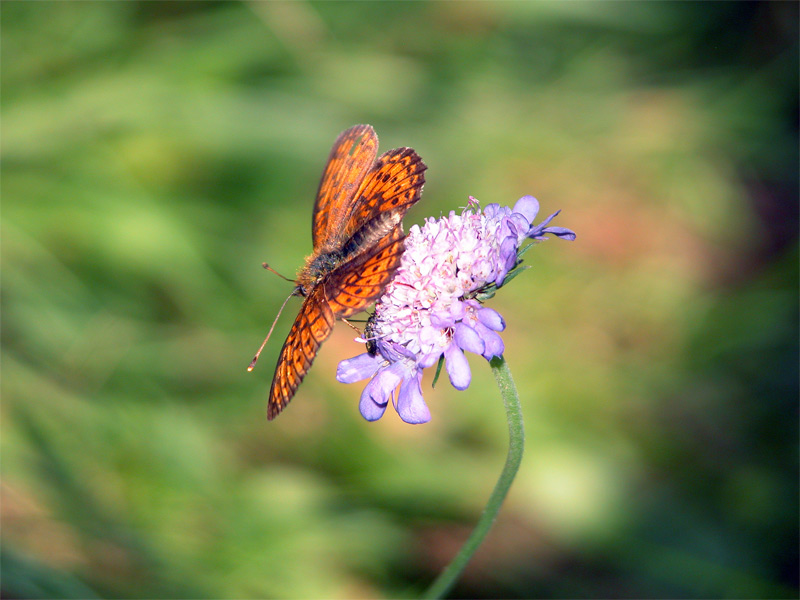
[
  {"x": 352, "y": 156},
  {"x": 311, "y": 327}
]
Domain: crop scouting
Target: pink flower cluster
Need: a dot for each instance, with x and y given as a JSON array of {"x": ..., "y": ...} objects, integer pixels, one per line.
[{"x": 432, "y": 307}]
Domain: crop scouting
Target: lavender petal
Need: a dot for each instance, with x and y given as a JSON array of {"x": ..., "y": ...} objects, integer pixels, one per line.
[
  {"x": 508, "y": 257},
  {"x": 457, "y": 367},
  {"x": 491, "y": 210},
  {"x": 494, "y": 345},
  {"x": 535, "y": 231},
  {"x": 528, "y": 206},
  {"x": 358, "y": 368},
  {"x": 410, "y": 405},
  {"x": 379, "y": 390},
  {"x": 370, "y": 410},
  {"x": 467, "y": 338},
  {"x": 428, "y": 360},
  {"x": 491, "y": 318},
  {"x": 561, "y": 232}
]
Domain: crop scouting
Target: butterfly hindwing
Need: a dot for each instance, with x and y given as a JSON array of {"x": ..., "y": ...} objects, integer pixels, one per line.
[
  {"x": 393, "y": 185},
  {"x": 354, "y": 286},
  {"x": 312, "y": 326}
]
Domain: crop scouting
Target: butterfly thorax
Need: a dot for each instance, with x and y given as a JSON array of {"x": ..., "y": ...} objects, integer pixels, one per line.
[{"x": 317, "y": 266}]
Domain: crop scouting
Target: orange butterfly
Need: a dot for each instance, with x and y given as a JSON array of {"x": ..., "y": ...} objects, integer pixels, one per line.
[{"x": 357, "y": 232}]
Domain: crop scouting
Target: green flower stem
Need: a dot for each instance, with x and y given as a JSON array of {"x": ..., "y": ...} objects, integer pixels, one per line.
[{"x": 516, "y": 444}]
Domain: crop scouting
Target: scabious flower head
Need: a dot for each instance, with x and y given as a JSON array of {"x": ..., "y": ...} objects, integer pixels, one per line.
[{"x": 433, "y": 306}]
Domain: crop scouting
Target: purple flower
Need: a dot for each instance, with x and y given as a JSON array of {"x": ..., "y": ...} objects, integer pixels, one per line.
[
  {"x": 529, "y": 206},
  {"x": 432, "y": 308}
]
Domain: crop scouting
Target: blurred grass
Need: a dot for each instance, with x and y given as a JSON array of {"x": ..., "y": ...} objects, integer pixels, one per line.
[{"x": 154, "y": 154}]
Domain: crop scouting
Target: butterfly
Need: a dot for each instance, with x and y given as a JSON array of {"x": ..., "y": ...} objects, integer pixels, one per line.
[{"x": 357, "y": 236}]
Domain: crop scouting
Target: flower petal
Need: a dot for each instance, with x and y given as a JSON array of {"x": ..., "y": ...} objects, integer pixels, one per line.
[
  {"x": 491, "y": 318},
  {"x": 562, "y": 232},
  {"x": 457, "y": 310},
  {"x": 370, "y": 410},
  {"x": 377, "y": 392},
  {"x": 442, "y": 320},
  {"x": 521, "y": 224},
  {"x": 357, "y": 368},
  {"x": 428, "y": 360},
  {"x": 508, "y": 258},
  {"x": 467, "y": 338},
  {"x": 528, "y": 206},
  {"x": 548, "y": 219},
  {"x": 494, "y": 343},
  {"x": 535, "y": 231},
  {"x": 457, "y": 367},
  {"x": 410, "y": 405},
  {"x": 491, "y": 210}
]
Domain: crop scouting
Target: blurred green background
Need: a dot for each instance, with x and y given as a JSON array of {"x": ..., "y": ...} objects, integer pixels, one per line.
[{"x": 154, "y": 154}]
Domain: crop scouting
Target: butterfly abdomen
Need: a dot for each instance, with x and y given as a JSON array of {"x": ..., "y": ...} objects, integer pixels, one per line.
[{"x": 371, "y": 232}]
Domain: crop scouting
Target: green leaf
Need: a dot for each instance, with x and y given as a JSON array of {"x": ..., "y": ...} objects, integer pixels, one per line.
[
  {"x": 524, "y": 250},
  {"x": 514, "y": 272},
  {"x": 438, "y": 370}
]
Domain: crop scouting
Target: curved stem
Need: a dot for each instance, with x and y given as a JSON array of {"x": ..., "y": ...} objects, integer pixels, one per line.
[{"x": 451, "y": 573}]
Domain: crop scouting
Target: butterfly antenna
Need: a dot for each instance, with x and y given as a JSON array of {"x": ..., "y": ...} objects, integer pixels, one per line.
[
  {"x": 266, "y": 339},
  {"x": 271, "y": 270}
]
